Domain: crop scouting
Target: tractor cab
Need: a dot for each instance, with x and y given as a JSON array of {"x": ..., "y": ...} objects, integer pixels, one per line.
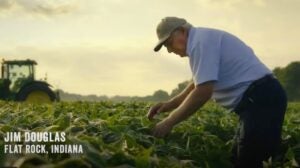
[
  {"x": 18, "y": 72},
  {"x": 18, "y": 83}
]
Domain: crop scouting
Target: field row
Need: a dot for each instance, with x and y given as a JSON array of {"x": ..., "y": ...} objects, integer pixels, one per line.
[{"x": 119, "y": 135}]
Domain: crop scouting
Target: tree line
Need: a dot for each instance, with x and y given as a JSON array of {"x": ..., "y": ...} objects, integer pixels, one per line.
[{"x": 288, "y": 76}]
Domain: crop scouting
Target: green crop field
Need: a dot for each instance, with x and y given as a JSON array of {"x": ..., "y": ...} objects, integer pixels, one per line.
[{"x": 119, "y": 135}]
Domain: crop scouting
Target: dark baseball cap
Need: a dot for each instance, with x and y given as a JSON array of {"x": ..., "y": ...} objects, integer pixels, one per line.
[{"x": 164, "y": 29}]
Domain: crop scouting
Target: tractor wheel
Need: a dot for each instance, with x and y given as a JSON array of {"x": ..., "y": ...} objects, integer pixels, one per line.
[{"x": 36, "y": 93}]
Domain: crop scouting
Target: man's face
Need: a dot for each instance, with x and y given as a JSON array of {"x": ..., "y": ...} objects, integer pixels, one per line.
[{"x": 176, "y": 43}]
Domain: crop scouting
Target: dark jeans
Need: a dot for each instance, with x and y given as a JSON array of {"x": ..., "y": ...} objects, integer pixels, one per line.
[{"x": 261, "y": 113}]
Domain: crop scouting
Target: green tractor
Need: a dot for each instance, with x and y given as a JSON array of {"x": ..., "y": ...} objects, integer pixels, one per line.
[{"x": 18, "y": 83}]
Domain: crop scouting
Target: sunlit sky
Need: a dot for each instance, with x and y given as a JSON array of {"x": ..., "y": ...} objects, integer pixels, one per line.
[{"x": 105, "y": 47}]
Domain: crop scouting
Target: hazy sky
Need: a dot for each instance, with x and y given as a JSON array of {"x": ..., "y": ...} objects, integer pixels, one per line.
[{"x": 106, "y": 46}]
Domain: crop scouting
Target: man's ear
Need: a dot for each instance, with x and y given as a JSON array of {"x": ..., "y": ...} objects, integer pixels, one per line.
[{"x": 182, "y": 29}]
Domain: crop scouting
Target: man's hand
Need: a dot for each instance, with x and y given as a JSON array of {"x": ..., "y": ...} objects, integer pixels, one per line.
[
  {"x": 162, "y": 128},
  {"x": 196, "y": 99},
  {"x": 158, "y": 108}
]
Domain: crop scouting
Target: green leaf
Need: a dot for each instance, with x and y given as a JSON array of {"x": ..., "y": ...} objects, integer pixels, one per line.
[{"x": 143, "y": 158}]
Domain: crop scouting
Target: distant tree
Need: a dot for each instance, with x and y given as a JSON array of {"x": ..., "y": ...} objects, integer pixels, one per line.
[
  {"x": 160, "y": 95},
  {"x": 180, "y": 87},
  {"x": 289, "y": 77},
  {"x": 65, "y": 96}
]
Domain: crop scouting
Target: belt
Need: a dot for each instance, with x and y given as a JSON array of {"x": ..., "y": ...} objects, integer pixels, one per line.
[
  {"x": 259, "y": 82},
  {"x": 250, "y": 89}
]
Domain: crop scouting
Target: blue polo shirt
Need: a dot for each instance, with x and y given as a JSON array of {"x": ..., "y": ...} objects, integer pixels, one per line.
[{"x": 221, "y": 57}]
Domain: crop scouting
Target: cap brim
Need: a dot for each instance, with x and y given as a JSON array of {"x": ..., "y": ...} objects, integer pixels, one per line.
[{"x": 160, "y": 43}]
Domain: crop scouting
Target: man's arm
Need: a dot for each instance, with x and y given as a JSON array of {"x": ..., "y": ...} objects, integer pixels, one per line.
[
  {"x": 170, "y": 104},
  {"x": 195, "y": 99},
  {"x": 178, "y": 99}
]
